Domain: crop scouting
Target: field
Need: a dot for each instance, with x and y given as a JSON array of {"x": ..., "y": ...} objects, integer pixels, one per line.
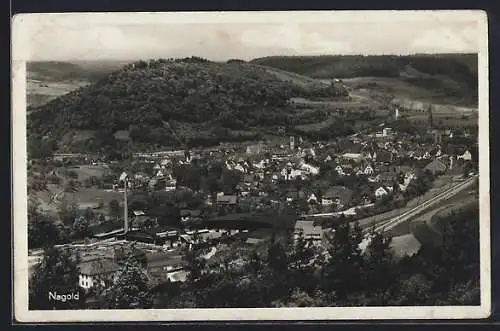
[
  {"x": 84, "y": 197},
  {"x": 40, "y": 92},
  {"x": 406, "y": 91}
]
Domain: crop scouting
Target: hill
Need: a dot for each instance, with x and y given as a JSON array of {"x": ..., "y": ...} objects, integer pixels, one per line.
[
  {"x": 48, "y": 80},
  {"x": 60, "y": 71},
  {"x": 166, "y": 103},
  {"x": 452, "y": 75}
]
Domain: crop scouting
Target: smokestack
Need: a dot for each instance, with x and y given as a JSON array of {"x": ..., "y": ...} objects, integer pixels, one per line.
[{"x": 125, "y": 206}]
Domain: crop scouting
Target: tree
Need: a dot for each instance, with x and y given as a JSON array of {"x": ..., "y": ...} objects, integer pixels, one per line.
[
  {"x": 300, "y": 298},
  {"x": 415, "y": 290},
  {"x": 43, "y": 232},
  {"x": 195, "y": 262},
  {"x": 89, "y": 214},
  {"x": 300, "y": 259},
  {"x": 67, "y": 211},
  {"x": 379, "y": 267},
  {"x": 343, "y": 272},
  {"x": 114, "y": 208},
  {"x": 58, "y": 272},
  {"x": 33, "y": 208},
  {"x": 80, "y": 228},
  {"x": 130, "y": 289}
]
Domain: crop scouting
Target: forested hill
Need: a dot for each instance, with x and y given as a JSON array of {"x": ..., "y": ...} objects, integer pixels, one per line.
[
  {"x": 201, "y": 99},
  {"x": 454, "y": 74},
  {"x": 459, "y": 66},
  {"x": 58, "y": 71}
]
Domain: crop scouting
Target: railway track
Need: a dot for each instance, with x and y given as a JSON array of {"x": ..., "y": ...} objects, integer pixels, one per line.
[{"x": 395, "y": 221}]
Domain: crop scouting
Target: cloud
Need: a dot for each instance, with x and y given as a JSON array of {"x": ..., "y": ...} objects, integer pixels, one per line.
[
  {"x": 98, "y": 42},
  {"x": 318, "y": 44},
  {"x": 85, "y": 41},
  {"x": 447, "y": 40},
  {"x": 291, "y": 37}
]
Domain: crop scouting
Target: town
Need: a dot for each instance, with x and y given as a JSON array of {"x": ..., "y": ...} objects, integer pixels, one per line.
[{"x": 234, "y": 196}]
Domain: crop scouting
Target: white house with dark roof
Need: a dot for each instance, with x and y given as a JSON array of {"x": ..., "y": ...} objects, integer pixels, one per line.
[
  {"x": 368, "y": 170},
  {"x": 380, "y": 192},
  {"x": 96, "y": 271},
  {"x": 312, "y": 198},
  {"x": 466, "y": 156}
]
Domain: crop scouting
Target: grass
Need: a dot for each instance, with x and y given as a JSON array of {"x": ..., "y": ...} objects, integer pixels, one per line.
[
  {"x": 315, "y": 126},
  {"x": 86, "y": 171},
  {"x": 407, "y": 92}
]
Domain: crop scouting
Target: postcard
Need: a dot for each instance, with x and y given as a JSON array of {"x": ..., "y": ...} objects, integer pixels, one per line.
[{"x": 229, "y": 166}]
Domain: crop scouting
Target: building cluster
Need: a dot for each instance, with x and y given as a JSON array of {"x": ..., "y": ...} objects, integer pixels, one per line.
[{"x": 338, "y": 177}]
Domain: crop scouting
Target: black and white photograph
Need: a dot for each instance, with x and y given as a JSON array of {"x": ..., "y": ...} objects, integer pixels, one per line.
[{"x": 286, "y": 165}]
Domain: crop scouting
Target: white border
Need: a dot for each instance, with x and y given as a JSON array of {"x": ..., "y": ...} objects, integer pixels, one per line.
[{"x": 23, "y": 24}]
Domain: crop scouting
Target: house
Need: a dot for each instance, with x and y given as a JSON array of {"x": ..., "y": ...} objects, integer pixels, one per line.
[
  {"x": 380, "y": 192},
  {"x": 227, "y": 199},
  {"x": 170, "y": 185},
  {"x": 96, "y": 271},
  {"x": 405, "y": 245},
  {"x": 339, "y": 170},
  {"x": 166, "y": 266},
  {"x": 356, "y": 157},
  {"x": 164, "y": 235},
  {"x": 140, "y": 220},
  {"x": 338, "y": 195},
  {"x": 312, "y": 198},
  {"x": 436, "y": 167},
  {"x": 466, "y": 156},
  {"x": 294, "y": 195},
  {"x": 309, "y": 230},
  {"x": 188, "y": 215},
  {"x": 368, "y": 170},
  {"x": 309, "y": 168},
  {"x": 123, "y": 176},
  {"x": 239, "y": 168}
]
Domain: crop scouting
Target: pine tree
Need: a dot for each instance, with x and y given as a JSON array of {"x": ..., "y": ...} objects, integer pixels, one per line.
[
  {"x": 130, "y": 289},
  {"x": 58, "y": 272},
  {"x": 80, "y": 228},
  {"x": 379, "y": 268},
  {"x": 343, "y": 269}
]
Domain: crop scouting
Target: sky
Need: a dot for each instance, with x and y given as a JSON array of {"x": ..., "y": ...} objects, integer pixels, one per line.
[{"x": 222, "y": 36}]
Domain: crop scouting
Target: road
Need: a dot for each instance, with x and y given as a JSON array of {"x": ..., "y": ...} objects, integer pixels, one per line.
[{"x": 391, "y": 223}]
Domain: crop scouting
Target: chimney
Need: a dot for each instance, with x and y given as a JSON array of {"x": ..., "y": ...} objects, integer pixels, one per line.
[{"x": 125, "y": 206}]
